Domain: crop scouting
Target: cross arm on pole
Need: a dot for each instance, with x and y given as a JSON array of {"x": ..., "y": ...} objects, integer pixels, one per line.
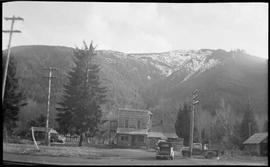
[
  {"x": 196, "y": 102},
  {"x": 49, "y": 77},
  {"x": 9, "y": 31},
  {"x": 50, "y": 68},
  {"x": 194, "y": 96},
  {"x": 195, "y": 91},
  {"x": 14, "y": 18}
]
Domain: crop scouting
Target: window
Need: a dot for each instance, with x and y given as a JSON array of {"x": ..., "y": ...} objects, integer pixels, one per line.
[
  {"x": 139, "y": 125},
  {"x": 124, "y": 138},
  {"x": 140, "y": 138},
  {"x": 126, "y": 123}
]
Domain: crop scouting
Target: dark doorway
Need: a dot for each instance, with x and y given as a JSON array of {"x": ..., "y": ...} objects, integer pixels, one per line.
[{"x": 133, "y": 140}]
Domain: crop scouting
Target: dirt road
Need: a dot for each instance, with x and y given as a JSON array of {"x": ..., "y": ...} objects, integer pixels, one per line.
[{"x": 139, "y": 157}]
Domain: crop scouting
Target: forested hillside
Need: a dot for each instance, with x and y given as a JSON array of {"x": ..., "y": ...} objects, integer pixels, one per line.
[{"x": 160, "y": 82}]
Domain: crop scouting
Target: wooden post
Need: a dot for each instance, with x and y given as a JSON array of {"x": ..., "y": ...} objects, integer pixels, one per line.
[{"x": 33, "y": 136}]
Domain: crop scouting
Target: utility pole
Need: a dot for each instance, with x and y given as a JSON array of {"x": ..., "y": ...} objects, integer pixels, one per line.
[
  {"x": 11, "y": 31},
  {"x": 110, "y": 131},
  {"x": 194, "y": 102},
  {"x": 197, "y": 123},
  {"x": 47, "y": 136},
  {"x": 210, "y": 136}
]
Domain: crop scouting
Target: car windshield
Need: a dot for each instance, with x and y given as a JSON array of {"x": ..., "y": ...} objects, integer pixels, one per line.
[{"x": 165, "y": 144}]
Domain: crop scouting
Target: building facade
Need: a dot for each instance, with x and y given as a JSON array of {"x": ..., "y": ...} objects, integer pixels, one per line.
[{"x": 133, "y": 126}]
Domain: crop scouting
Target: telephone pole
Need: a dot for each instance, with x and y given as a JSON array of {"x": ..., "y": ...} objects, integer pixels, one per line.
[
  {"x": 47, "y": 136},
  {"x": 199, "y": 126},
  {"x": 194, "y": 102},
  {"x": 11, "y": 31}
]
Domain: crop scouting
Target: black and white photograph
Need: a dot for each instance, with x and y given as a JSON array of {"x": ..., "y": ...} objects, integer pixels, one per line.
[{"x": 134, "y": 83}]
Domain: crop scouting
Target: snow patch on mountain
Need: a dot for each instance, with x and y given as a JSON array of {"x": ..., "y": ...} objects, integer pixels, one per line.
[
  {"x": 197, "y": 66},
  {"x": 165, "y": 70},
  {"x": 192, "y": 61}
]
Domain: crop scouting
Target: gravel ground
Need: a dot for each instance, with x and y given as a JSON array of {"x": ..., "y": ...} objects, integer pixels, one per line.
[{"x": 92, "y": 155}]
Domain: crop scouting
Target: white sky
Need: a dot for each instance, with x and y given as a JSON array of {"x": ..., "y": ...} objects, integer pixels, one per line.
[{"x": 141, "y": 27}]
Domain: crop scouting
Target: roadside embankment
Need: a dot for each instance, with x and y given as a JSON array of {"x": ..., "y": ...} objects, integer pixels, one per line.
[{"x": 52, "y": 150}]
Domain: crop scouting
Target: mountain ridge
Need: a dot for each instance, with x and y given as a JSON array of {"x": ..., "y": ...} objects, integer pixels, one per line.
[{"x": 155, "y": 81}]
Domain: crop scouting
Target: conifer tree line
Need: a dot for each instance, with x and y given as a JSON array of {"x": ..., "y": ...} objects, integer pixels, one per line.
[
  {"x": 13, "y": 98},
  {"x": 233, "y": 137},
  {"x": 79, "y": 111}
]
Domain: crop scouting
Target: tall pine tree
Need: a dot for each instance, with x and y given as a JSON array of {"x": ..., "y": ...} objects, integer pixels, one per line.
[
  {"x": 248, "y": 123},
  {"x": 13, "y": 98},
  {"x": 79, "y": 110},
  {"x": 265, "y": 126},
  {"x": 182, "y": 123}
]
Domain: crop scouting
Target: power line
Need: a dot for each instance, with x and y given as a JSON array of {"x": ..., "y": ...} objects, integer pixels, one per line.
[{"x": 11, "y": 31}]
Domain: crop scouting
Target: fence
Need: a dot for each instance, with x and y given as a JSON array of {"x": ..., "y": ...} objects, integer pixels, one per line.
[
  {"x": 177, "y": 145},
  {"x": 72, "y": 139}
]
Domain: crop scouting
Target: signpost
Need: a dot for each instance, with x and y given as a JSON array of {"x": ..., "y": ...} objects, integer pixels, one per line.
[{"x": 195, "y": 101}]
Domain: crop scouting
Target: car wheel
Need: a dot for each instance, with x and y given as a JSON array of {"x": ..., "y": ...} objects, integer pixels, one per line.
[
  {"x": 185, "y": 154},
  {"x": 209, "y": 155},
  {"x": 157, "y": 157}
]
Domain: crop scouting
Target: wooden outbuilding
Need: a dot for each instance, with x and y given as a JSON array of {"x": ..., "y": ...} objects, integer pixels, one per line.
[{"x": 257, "y": 144}]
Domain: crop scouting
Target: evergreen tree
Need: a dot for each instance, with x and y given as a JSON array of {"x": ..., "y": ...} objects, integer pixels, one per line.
[
  {"x": 182, "y": 123},
  {"x": 265, "y": 126},
  {"x": 13, "y": 98},
  {"x": 79, "y": 110},
  {"x": 39, "y": 122},
  {"x": 248, "y": 121}
]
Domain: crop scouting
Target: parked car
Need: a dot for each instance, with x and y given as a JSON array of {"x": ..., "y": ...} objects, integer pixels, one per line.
[
  {"x": 57, "y": 138},
  {"x": 199, "y": 150},
  {"x": 165, "y": 150}
]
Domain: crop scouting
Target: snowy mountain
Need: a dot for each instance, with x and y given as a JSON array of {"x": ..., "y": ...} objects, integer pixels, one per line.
[
  {"x": 168, "y": 62},
  {"x": 157, "y": 81}
]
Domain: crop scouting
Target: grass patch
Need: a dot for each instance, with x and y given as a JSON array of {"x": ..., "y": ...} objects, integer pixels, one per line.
[{"x": 52, "y": 151}]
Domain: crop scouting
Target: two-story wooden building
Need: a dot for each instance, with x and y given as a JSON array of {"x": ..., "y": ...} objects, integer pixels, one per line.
[{"x": 133, "y": 127}]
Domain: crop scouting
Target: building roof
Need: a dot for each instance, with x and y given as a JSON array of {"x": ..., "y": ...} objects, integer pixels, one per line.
[
  {"x": 171, "y": 135},
  {"x": 256, "y": 138},
  {"x": 136, "y": 110},
  {"x": 132, "y": 131},
  {"x": 43, "y": 129},
  {"x": 157, "y": 135}
]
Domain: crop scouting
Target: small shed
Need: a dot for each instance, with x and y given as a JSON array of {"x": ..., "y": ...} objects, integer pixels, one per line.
[
  {"x": 176, "y": 141},
  {"x": 153, "y": 138},
  {"x": 40, "y": 132},
  {"x": 171, "y": 137},
  {"x": 257, "y": 144},
  {"x": 158, "y": 135},
  {"x": 43, "y": 129}
]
